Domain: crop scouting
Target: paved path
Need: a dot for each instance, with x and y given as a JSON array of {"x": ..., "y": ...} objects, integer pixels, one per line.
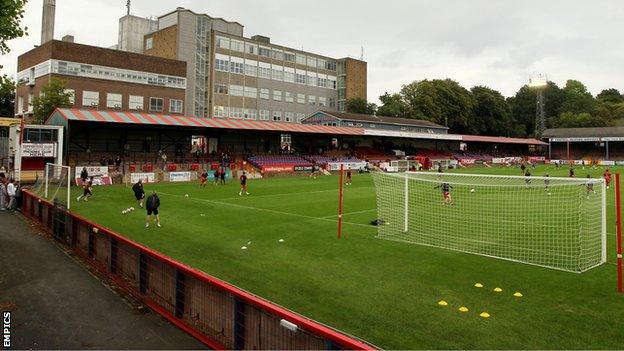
[{"x": 56, "y": 303}]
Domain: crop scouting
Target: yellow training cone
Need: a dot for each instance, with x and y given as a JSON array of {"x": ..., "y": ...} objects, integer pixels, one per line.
[
  {"x": 442, "y": 303},
  {"x": 517, "y": 294},
  {"x": 463, "y": 309},
  {"x": 484, "y": 315},
  {"x": 498, "y": 289},
  {"x": 478, "y": 285}
]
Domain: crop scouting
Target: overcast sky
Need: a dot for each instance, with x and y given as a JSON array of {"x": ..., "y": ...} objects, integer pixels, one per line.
[{"x": 498, "y": 43}]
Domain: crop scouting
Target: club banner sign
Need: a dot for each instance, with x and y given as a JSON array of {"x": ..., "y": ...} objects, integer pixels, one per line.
[
  {"x": 145, "y": 177},
  {"x": 335, "y": 166},
  {"x": 277, "y": 169},
  {"x": 179, "y": 176},
  {"x": 38, "y": 150},
  {"x": 97, "y": 180},
  {"x": 303, "y": 168},
  {"x": 96, "y": 171}
]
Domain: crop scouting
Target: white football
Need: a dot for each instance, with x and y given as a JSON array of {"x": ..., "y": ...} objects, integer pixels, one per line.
[
  {"x": 281, "y": 240},
  {"x": 472, "y": 190},
  {"x": 549, "y": 194},
  {"x": 244, "y": 248},
  {"x": 185, "y": 195},
  {"x": 123, "y": 211}
]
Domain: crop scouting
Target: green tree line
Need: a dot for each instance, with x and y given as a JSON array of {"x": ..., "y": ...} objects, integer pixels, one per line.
[{"x": 485, "y": 111}]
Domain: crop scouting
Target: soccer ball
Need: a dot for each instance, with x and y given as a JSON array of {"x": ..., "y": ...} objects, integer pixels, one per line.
[
  {"x": 244, "y": 248},
  {"x": 124, "y": 212},
  {"x": 472, "y": 190},
  {"x": 185, "y": 195},
  {"x": 281, "y": 240},
  {"x": 549, "y": 194}
]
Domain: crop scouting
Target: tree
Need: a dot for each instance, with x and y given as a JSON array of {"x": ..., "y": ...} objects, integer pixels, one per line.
[
  {"x": 576, "y": 98},
  {"x": 492, "y": 113},
  {"x": 580, "y": 120},
  {"x": 7, "y": 96},
  {"x": 11, "y": 15},
  {"x": 359, "y": 105},
  {"x": 442, "y": 101},
  {"x": 52, "y": 95},
  {"x": 610, "y": 96},
  {"x": 393, "y": 106}
]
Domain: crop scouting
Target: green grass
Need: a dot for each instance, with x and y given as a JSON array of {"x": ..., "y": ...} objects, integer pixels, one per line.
[{"x": 383, "y": 291}]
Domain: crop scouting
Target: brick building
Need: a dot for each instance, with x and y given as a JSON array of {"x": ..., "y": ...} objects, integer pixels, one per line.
[
  {"x": 230, "y": 75},
  {"x": 100, "y": 78}
]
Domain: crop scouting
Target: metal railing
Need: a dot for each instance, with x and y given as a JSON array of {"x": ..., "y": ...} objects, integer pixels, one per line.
[{"x": 220, "y": 315}]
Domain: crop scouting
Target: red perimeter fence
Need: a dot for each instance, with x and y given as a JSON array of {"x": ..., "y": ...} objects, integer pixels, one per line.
[{"x": 219, "y": 314}]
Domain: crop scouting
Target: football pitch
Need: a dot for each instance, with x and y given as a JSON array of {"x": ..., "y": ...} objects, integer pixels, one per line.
[{"x": 383, "y": 291}]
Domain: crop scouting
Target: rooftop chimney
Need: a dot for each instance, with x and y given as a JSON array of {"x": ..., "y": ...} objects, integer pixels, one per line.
[
  {"x": 47, "y": 21},
  {"x": 68, "y": 38}
]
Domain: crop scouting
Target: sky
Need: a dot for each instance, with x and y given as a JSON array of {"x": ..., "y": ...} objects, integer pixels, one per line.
[{"x": 496, "y": 43}]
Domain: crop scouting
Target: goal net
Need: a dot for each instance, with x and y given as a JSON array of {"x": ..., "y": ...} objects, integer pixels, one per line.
[
  {"x": 552, "y": 222},
  {"x": 55, "y": 184}
]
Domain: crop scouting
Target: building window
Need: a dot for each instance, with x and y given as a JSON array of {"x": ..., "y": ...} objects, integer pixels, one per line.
[
  {"x": 72, "y": 98},
  {"x": 250, "y": 113},
  {"x": 278, "y": 72},
  {"x": 90, "y": 98},
  {"x": 300, "y": 78},
  {"x": 331, "y": 82},
  {"x": 331, "y": 65},
  {"x": 251, "y": 68},
  {"x": 223, "y": 42},
  {"x": 289, "y": 116},
  {"x": 289, "y": 75},
  {"x": 236, "y": 112},
  {"x": 277, "y": 116},
  {"x": 311, "y": 100},
  {"x": 264, "y": 93},
  {"x": 251, "y": 92},
  {"x": 332, "y": 102},
  {"x": 175, "y": 106},
  {"x": 222, "y": 65},
  {"x": 311, "y": 61},
  {"x": 113, "y": 100},
  {"x": 149, "y": 43},
  {"x": 264, "y": 115},
  {"x": 320, "y": 63},
  {"x": 322, "y": 101},
  {"x": 237, "y": 46},
  {"x": 311, "y": 79},
  {"x": 237, "y": 90},
  {"x": 264, "y": 72},
  {"x": 301, "y": 59},
  {"x": 220, "y": 111},
  {"x": 301, "y": 98},
  {"x": 251, "y": 49},
  {"x": 237, "y": 67},
  {"x": 135, "y": 102},
  {"x": 221, "y": 89},
  {"x": 289, "y": 97},
  {"x": 31, "y": 96},
  {"x": 278, "y": 55},
  {"x": 289, "y": 56},
  {"x": 277, "y": 95},
  {"x": 20, "y": 104},
  {"x": 264, "y": 51},
  {"x": 156, "y": 104}
]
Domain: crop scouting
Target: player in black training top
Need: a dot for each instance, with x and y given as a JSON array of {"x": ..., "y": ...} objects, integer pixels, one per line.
[
  {"x": 243, "y": 184},
  {"x": 446, "y": 193},
  {"x": 527, "y": 178},
  {"x": 139, "y": 192},
  {"x": 546, "y": 182},
  {"x": 571, "y": 173}
]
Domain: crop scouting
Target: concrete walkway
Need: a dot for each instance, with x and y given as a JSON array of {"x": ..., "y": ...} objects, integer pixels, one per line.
[{"x": 56, "y": 303}]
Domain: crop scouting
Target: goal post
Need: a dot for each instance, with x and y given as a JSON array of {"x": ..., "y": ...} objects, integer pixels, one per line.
[
  {"x": 57, "y": 183},
  {"x": 553, "y": 222}
]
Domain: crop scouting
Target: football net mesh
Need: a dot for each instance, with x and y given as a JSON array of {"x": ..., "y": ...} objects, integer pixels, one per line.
[
  {"x": 55, "y": 184},
  {"x": 553, "y": 222}
]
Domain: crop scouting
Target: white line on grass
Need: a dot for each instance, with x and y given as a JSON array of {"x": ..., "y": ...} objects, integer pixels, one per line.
[
  {"x": 298, "y": 193},
  {"x": 266, "y": 210}
]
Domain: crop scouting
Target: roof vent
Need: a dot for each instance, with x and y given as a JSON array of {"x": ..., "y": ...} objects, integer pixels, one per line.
[{"x": 262, "y": 39}]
